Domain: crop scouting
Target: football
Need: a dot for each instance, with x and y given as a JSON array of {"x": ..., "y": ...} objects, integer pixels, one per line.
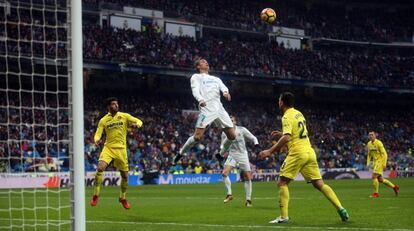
[{"x": 268, "y": 15}]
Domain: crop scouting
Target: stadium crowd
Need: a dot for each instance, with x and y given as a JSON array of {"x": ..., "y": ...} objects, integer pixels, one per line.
[
  {"x": 252, "y": 58},
  {"x": 338, "y": 135},
  {"x": 260, "y": 58},
  {"x": 339, "y": 20},
  {"x": 34, "y": 136}
]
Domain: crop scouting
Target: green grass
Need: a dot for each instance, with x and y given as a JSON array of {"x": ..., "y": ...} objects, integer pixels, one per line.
[{"x": 200, "y": 207}]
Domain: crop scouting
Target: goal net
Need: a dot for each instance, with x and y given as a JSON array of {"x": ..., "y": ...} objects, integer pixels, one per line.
[{"x": 36, "y": 148}]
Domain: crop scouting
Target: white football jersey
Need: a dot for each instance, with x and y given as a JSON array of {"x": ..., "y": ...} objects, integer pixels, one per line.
[
  {"x": 207, "y": 88},
  {"x": 238, "y": 147}
]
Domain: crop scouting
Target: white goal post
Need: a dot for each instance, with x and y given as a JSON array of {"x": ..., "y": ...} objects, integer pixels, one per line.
[
  {"x": 42, "y": 184},
  {"x": 76, "y": 103}
]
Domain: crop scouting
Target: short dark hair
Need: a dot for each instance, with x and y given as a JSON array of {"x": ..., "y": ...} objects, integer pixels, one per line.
[
  {"x": 288, "y": 99},
  {"x": 197, "y": 62},
  {"x": 109, "y": 100}
]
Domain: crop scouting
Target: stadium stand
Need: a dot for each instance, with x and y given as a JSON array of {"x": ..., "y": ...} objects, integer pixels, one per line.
[
  {"x": 348, "y": 20},
  {"x": 338, "y": 135}
]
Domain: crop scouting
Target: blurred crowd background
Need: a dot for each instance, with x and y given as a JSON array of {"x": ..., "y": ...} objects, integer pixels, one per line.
[{"x": 34, "y": 123}]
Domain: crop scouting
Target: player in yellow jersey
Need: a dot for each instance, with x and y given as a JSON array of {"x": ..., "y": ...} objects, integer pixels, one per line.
[
  {"x": 300, "y": 158},
  {"x": 376, "y": 151},
  {"x": 115, "y": 125}
]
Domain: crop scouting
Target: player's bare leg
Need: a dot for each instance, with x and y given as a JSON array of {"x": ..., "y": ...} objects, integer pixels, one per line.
[
  {"x": 283, "y": 200},
  {"x": 331, "y": 196},
  {"x": 227, "y": 182},
  {"x": 231, "y": 136},
  {"x": 98, "y": 182},
  {"x": 124, "y": 186},
  {"x": 389, "y": 184},
  {"x": 198, "y": 135},
  {"x": 247, "y": 177}
]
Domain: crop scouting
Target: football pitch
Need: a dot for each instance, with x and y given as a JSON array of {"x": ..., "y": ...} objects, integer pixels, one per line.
[{"x": 201, "y": 207}]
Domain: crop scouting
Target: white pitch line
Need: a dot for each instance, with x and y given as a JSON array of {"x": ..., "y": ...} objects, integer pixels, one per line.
[
  {"x": 220, "y": 198},
  {"x": 201, "y": 198},
  {"x": 283, "y": 226},
  {"x": 192, "y": 198},
  {"x": 241, "y": 196}
]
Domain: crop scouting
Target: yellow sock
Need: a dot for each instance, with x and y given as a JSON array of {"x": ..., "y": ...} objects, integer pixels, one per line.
[
  {"x": 124, "y": 186},
  {"x": 375, "y": 183},
  {"x": 388, "y": 183},
  {"x": 98, "y": 182},
  {"x": 330, "y": 194},
  {"x": 284, "y": 200}
]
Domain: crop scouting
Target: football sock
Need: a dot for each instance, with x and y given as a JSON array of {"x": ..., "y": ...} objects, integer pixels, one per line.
[
  {"x": 188, "y": 144},
  {"x": 248, "y": 189},
  {"x": 284, "y": 200},
  {"x": 375, "y": 184},
  {"x": 124, "y": 186},
  {"x": 330, "y": 194},
  {"x": 388, "y": 183},
  {"x": 98, "y": 182},
  {"x": 227, "y": 183}
]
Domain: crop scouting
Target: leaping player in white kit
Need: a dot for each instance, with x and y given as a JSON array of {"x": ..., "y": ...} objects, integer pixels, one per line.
[
  {"x": 238, "y": 155},
  {"x": 206, "y": 90}
]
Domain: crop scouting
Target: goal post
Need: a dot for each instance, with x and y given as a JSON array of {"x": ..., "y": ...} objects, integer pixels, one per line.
[
  {"x": 76, "y": 103},
  {"x": 42, "y": 184}
]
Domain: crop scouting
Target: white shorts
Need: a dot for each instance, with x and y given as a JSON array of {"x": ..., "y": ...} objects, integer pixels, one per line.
[
  {"x": 243, "y": 162},
  {"x": 220, "y": 118}
]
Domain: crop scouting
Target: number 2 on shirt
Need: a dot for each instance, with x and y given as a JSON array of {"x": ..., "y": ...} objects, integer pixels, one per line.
[{"x": 303, "y": 133}]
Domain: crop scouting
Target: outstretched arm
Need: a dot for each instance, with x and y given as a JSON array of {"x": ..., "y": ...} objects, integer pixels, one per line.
[
  {"x": 133, "y": 121},
  {"x": 276, "y": 147},
  {"x": 248, "y": 135},
  {"x": 287, "y": 132}
]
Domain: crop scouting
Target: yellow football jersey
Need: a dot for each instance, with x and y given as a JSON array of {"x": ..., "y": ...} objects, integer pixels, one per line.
[
  {"x": 294, "y": 123},
  {"x": 376, "y": 151},
  {"x": 115, "y": 128}
]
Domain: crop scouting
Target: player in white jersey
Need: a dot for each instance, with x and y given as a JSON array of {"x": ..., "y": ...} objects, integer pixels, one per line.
[
  {"x": 238, "y": 155},
  {"x": 206, "y": 90}
]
